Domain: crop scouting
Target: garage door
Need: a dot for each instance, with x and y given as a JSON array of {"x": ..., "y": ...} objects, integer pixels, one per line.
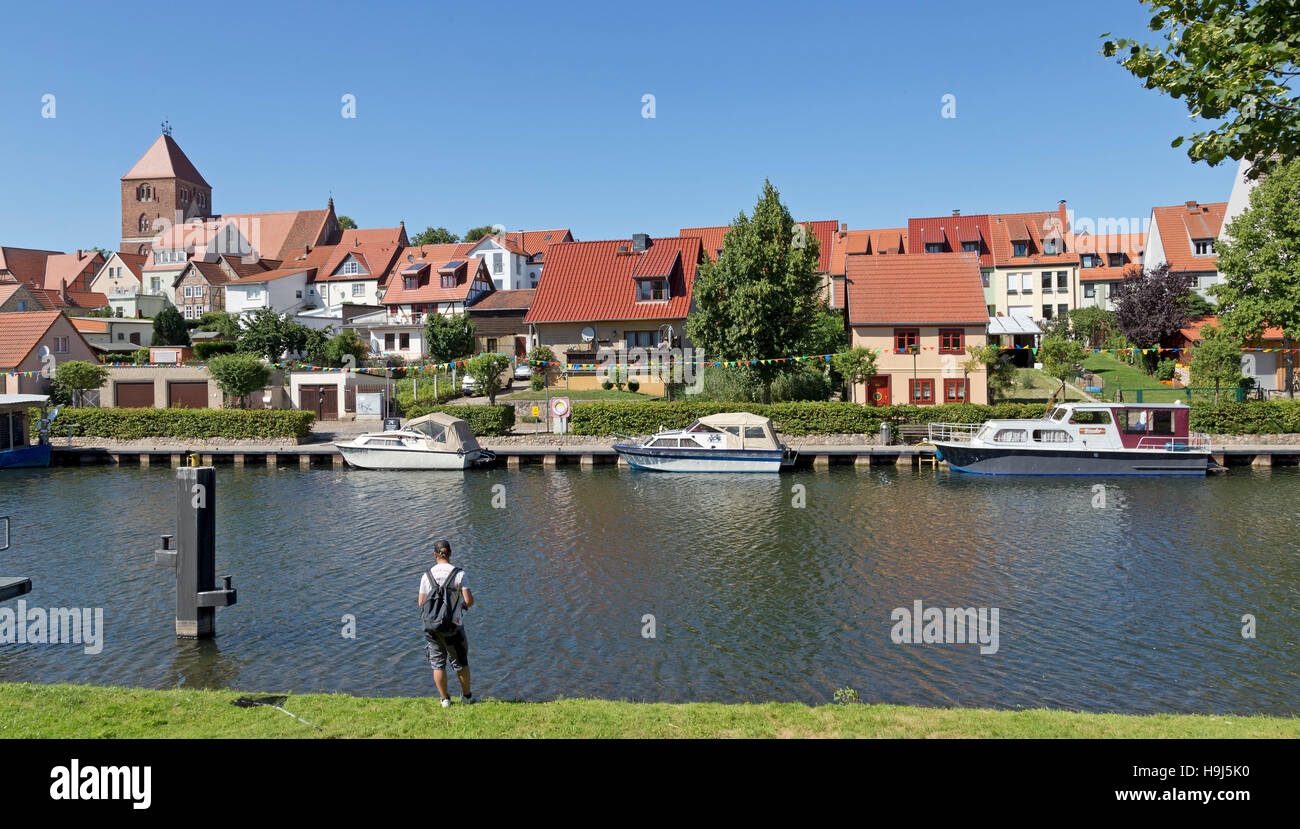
[
  {"x": 133, "y": 395},
  {"x": 187, "y": 395},
  {"x": 323, "y": 400}
]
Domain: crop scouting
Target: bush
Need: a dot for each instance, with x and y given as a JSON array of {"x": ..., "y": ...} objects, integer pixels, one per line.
[
  {"x": 633, "y": 385},
  {"x": 1254, "y": 417},
  {"x": 1165, "y": 370},
  {"x": 794, "y": 419},
  {"x": 606, "y": 385},
  {"x": 489, "y": 421},
  {"x": 207, "y": 350},
  {"x": 538, "y": 380},
  {"x": 133, "y": 424},
  {"x": 406, "y": 401}
]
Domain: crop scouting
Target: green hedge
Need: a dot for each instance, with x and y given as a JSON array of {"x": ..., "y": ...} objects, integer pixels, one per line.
[
  {"x": 131, "y": 424},
  {"x": 1253, "y": 417},
  {"x": 484, "y": 421},
  {"x": 208, "y": 350},
  {"x": 796, "y": 419},
  {"x": 808, "y": 418}
]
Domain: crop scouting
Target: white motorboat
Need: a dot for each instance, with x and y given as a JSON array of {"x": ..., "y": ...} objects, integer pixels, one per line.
[
  {"x": 435, "y": 441},
  {"x": 732, "y": 442},
  {"x": 1079, "y": 439}
]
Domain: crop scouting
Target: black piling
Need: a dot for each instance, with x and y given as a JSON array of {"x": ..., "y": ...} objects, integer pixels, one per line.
[{"x": 194, "y": 557}]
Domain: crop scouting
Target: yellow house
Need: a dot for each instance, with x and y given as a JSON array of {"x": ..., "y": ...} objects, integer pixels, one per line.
[{"x": 919, "y": 313}]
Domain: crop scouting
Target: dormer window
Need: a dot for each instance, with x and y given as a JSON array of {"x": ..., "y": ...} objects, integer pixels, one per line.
[
  {"x": 652, "y": 290},
  {"x": 970, "y": 247},
  {"x": 1050, "y": 246},
  {"x": 1020, "y": 249},
  {"x": 934, "y": 247},
  {"x": 352, "y": 266},
  {"x": 449, "y": 280},
  {"x": 1115, "y": 260},
  {"x": 410, "y": 283},
  {"x": 1091, "y": 261},
  {"x": 1203, "y": 247}
]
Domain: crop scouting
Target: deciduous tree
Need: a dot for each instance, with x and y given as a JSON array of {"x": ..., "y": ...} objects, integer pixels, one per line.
[
  {"x": 1150, "y": 306},
  {"x": 1260, "y": 261},
  {"x": 169, "y": 328},
  {"x": 239, "y": 375},
  {"x": 1216, "y": 360},
  {"x": 1227, "y": 59}
]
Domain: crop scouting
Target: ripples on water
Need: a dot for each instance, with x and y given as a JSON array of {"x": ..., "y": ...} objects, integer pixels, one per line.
[{"x": 1135, "y": 607}]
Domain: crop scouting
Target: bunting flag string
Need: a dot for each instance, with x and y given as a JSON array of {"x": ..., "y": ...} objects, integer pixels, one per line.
[{"x": 378, "y": 371}]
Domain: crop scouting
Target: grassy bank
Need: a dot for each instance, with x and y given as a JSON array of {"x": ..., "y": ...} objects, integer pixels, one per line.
[{"x": 89, "y": 711}]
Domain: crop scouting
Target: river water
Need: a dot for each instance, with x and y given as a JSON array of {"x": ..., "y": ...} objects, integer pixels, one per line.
[{"x": 758, "y": 589}]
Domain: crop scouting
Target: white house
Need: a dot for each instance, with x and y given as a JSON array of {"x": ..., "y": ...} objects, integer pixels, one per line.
[
  {"x": 1183, "y": 235},
  {"x": 285, "y": 291}
]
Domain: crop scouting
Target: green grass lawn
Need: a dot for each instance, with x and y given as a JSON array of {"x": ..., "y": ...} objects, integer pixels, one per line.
[
  {"x": 584, "y": 394},
  {"x": 1119, "y": 375},
  {"x": 93, "y": 712},
  {"x": 1041, "y": 390}
]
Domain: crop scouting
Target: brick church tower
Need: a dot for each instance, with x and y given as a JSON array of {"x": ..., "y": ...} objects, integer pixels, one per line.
[{"x": 163, "y": 184}]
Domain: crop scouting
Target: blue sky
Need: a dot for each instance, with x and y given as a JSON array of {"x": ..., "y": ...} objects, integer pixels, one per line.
[{"x": 530, "y": 115}]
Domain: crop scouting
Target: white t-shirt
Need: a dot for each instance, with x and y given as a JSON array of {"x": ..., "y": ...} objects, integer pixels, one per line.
[{"x": 441, "y": 571}]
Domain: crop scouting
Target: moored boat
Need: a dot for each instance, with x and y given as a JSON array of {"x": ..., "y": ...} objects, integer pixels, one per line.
[
  {"x": 16, "y": 448},
  {"x": 1079, "y": 439},
  {"x": 731, "y": 442},
  {"x": 434, "y": 441}
]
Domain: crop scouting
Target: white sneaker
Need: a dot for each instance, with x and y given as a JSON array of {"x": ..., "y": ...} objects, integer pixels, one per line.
[{"x": 446, "y": 703}]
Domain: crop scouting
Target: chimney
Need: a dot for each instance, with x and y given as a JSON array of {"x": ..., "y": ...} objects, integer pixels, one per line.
[
  {"x": 1192, "y": 207},
  {"x": 640, "y": 242}
]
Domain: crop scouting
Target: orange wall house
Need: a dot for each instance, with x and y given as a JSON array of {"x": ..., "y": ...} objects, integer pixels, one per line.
[{"x": 919, "y": 312}]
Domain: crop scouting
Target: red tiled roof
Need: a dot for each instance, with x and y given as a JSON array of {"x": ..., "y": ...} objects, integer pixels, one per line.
[
  {"x": 952, "y": 231},
  {"x": 50, "y": 269},
  {"x": 1182, "y": 223},
  {"x": 1034, "y": 228},
  {"x": 96, "y": 326},
  {"x": 1128, "y": 245},
  {"x": 535, "y": 242},
  {"x": 1192, "y": 331},
  {"x": 593, "y": 281},
  {"x": 888, "y": 241},
  {"x": 52, "y": 300},
  {"x": 430, "y": 267},
  {"x": 243, "y": 269},
  {"x": 374, "y": 250},
  {"x": 87, "y": 299},
  {"x": 276, "y": 235},
  {"x": 165, "y": 160},
  {"x": 824, "y": 231},
  {"x": 916, "y": 289},
  {"x": 134, "y": 262},
  {"x": 520, "y": 299},
  {"x": 19, "y": 334}
]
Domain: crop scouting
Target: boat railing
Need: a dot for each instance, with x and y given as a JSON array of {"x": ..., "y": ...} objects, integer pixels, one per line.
[
  {"x": 954, "y": 432},
  {"x": 1170, "y": 443}
]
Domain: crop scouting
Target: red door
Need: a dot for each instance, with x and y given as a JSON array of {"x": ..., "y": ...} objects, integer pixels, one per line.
[{"x": 878, "y": 390}]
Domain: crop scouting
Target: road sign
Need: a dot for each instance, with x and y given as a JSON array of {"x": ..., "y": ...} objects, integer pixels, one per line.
[
  {"x": 537, "y": 411},
  {"x": 560, "y": 407}
]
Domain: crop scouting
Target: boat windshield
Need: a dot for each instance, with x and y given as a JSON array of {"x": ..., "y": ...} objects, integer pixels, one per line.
[
  {"x": 433, "y": 430},
  {"x": 1060, "y": 413},
  {"x": 697, "y": 426}
]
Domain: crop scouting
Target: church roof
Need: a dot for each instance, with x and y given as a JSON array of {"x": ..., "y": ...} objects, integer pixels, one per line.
[{"x": 165, "y": 160}]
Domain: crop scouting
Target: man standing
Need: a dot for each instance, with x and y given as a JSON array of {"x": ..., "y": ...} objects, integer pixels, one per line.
[{"x": 444, "y": 596}]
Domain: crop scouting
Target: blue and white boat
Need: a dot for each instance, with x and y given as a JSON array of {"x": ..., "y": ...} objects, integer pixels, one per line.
[
  {"x": 16, "y": 448},
  {"x": 732, "y": 442}
]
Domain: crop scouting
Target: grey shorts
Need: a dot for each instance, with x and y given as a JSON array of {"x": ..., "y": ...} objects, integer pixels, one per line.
[{"x": 444, "y": 646}]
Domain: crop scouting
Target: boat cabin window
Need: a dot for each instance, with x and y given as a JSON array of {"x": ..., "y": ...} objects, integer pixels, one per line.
[
  {"x": 384, "y": 442},
  {"x": 734, "y": 430},
  {"x": 1094, "y": 417},
  {"x": 1052, "y": 436},
  {"x": 1146, "y": 421},
  {"x": 1010, "y": 436},
  {"x": 755, "y": 432},
  {"x": 1060, "y": 413},
  {"x": 701, "y": 427},
  {"x": 666, "y": 442}
]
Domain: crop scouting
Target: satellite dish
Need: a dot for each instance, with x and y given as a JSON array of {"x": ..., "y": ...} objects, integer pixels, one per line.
[{"x": 588, "y": 334}]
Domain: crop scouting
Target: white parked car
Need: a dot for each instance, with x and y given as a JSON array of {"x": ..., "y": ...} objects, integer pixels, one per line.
[{"x": 523, "y": 371}]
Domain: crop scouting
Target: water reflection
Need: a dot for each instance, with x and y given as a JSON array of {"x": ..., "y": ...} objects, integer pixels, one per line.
[{"x": 1134, "y": 606}]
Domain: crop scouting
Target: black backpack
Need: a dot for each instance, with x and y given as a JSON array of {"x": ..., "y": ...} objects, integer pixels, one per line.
[{"x": 439, "y": 609}]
